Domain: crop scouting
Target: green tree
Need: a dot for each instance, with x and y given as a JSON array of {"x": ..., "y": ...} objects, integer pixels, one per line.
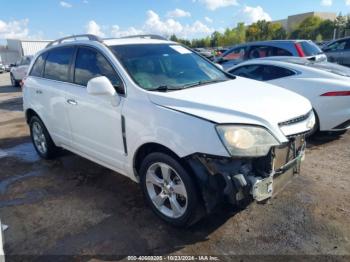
[
  {"x": 241, "y": 33},
  {"x": 340, "y": 24},
  {"x": 326, "y": 29},
  {"x": 174, "y": 38},
  {"x": 215, "y": 38},
  {"x": 308, "y": 28},
  {"x": 276, "y": 31}
]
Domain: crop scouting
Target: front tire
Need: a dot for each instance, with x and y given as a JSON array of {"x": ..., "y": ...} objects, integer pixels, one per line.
[
  {"x": 41, "y": 139},
  {"x": 169, "y": 189}
]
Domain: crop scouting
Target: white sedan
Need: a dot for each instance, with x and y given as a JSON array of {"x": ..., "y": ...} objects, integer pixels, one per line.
[{"x": 325, "y": 84}]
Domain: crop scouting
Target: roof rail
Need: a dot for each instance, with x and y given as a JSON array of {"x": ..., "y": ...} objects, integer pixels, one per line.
[
  {"x": 89, "y": 36},
  {"x": 147, "y": 36}
]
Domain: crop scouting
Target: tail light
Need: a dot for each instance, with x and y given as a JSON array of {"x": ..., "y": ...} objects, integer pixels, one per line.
[
  {"x": 22, "y": 82},
  {"x": 337, "y": 93},
  {"x": 299, "y": 49}
]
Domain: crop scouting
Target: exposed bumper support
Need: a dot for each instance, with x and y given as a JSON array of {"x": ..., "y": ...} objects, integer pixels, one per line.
[{"x": 236, "y": 179}]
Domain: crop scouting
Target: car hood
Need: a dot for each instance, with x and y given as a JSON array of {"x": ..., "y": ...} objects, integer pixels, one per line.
[{"x": 241, "y": 100}]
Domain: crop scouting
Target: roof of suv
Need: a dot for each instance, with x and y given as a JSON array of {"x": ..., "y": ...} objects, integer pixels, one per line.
[
  {"x": 134, "y": 39},
  {"x": 128, "y": 41}
]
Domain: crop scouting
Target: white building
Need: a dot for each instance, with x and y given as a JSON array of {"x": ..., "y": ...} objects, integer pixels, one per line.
[{"x": 16, "y": 48}]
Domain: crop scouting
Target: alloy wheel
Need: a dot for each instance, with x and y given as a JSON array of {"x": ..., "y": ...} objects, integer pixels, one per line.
[
  {"x": 166, "y": 190},
  {"x": 39, "y": 138}
]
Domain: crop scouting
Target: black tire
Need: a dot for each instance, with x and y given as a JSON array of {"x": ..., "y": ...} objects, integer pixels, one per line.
[
  {"x": 337, "y": 133},
  {"x": 14, "y": 82},
  {"x": 192, "y": 213},
  {"x": 51, "y": 149}
]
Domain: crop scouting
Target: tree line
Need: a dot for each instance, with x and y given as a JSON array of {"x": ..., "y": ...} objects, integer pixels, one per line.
[{"x": 313, "y": 28}]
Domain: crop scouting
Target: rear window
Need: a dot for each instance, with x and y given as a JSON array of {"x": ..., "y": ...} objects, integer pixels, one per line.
[
  {"x": 38, "y": 66},
  {"x": 310, "y": 49},
  {"x": 331, "y": 67}
]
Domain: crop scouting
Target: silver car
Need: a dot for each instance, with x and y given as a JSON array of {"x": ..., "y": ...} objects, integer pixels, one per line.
[
  {"x": 338, "y": 51},
  {"x": 2, "y": 68},
  {"x": 243, "y": 52}
]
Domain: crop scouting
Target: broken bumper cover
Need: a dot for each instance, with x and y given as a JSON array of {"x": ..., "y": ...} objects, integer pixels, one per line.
[
  {"x": 264, "y": 188},
  {"x": 237, "y": 179}
]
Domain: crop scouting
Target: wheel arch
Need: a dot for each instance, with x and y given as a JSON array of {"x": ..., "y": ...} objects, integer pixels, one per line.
[
  {"x": 29, "y": 113},
  {"x": 146, "y": 149}
]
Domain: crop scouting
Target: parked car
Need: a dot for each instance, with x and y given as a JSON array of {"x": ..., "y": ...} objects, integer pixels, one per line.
[
  {"x": 19, "y": 70},
  {"x": 325, "y": 84},
  {"x": 204, "y": 52},
  {"x": 191, "y": 134},
  {"x": 338, "y": 51},
  {"x": 243, "y": 52},
  {"x": 2, "y": 68},
  {"x": 7, "y": 68}
]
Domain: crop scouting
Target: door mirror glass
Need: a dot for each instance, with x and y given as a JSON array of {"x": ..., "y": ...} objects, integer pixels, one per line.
[{"x": 100, "y": 86}]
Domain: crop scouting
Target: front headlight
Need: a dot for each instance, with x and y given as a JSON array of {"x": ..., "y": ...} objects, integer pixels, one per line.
[{"x": 244, "y": 141}]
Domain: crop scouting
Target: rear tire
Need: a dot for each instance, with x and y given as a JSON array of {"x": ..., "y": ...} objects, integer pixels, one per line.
[
  {"x": 169, "y": 189},
  {"x": 41, "y": 139}
]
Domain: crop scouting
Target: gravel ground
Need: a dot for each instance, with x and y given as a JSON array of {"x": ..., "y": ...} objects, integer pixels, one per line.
[{"x": 71, "y": 206}]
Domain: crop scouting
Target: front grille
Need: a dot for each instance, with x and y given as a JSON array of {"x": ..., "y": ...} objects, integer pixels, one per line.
[{"x": 295, "y": 120}]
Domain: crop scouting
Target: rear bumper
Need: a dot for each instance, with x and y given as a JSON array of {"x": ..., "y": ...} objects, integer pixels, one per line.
[{"x": 237, "y": 180}]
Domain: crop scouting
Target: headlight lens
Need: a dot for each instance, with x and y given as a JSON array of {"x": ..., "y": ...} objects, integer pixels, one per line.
[{"x": 245, "y": 141}]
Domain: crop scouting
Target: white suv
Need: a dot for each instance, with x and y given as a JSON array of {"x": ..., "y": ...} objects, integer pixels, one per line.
[
  {"x": 162, "y": 115},
  {"x": 19, "y": 70}
]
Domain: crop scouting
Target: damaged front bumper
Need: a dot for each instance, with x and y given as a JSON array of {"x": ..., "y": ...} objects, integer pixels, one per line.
[{"x": 238, "y": 179}]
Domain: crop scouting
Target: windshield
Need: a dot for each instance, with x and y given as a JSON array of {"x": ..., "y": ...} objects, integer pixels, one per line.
[{"x": 166, "y": 66}]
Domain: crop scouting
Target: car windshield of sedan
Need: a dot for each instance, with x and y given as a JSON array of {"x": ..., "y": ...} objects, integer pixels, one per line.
[{"x": 166, "y": 67}]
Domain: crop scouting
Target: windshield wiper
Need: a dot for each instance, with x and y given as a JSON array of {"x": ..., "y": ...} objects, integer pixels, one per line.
[
  {"x": 204, "y": 82},
  {"x": 165, "y": 88}
]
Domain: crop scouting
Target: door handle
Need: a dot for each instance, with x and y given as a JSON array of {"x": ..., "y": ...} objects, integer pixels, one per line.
[
  {"x": 39, "y": 92},
  {"x": 72, "y": 102}
]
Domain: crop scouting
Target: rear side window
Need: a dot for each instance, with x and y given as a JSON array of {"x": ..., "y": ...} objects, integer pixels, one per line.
[
  {"x": 57, "y": 64},
  {"x": 38, "y": 67},
  {"x": 339, "y": 46},
  {"x": 310, "y": 49},
  {"x": 236, "y": 53},
  {"x": 89, "y": 64},
  {"x": 251, "y": 71},
  {"x": 266, "y": 51},
  {"x": 275, "y": 72},
  {"x": 262, "y": 72}
]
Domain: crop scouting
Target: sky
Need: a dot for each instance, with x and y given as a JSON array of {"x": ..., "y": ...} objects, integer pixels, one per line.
[{"x": 51, "y": 19}]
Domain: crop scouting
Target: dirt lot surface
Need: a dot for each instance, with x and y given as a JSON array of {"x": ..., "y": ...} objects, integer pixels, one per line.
[{"x": 72, "y": 206}]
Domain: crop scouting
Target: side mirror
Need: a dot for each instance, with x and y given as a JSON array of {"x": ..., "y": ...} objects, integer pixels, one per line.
[{"x": 102, "y": 86}]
